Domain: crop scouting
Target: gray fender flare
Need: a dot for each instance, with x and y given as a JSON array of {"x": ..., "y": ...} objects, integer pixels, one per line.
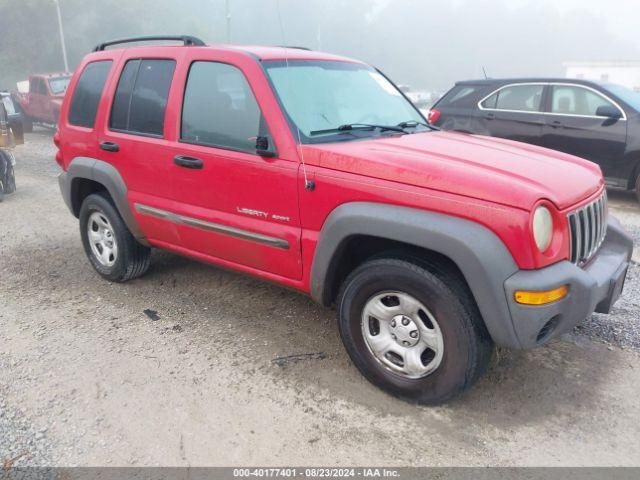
[
  {"x": 106, "y": 175},
  {"x": 480, "y": 255}
]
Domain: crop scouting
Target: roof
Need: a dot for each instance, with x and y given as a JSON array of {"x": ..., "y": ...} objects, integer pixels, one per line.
[
  {"x": 258, "y": 51},
  {"x": 505, "y": 81},
  {"x": 289, "y": 53}
]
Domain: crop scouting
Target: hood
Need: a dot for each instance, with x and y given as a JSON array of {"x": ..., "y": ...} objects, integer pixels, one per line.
[{"x": 486, "y": 168}]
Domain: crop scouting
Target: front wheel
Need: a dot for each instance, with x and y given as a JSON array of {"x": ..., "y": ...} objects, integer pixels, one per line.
[
  {"x": 111, "y": 248},
  {"x": 414, "y": 332}
]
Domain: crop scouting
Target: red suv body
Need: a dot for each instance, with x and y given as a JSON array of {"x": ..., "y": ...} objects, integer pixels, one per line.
[
  {"x": 315, "y": 172},
  {"x": 41, "y": 104}
]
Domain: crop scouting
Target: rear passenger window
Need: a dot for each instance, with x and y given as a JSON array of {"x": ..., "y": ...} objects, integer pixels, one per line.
[
  {"x": 219, "y": 108},
  {"x": 522, "y": 98},
  {"x": 141, "y": 97},
  {"x": 86, "y": 96}
]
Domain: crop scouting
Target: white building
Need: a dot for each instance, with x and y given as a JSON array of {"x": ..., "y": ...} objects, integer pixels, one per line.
[{"x": 622, "y": 73}]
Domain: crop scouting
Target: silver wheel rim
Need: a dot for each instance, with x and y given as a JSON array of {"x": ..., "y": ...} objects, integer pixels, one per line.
[
  {"x": 402, "y": 334},
  {"x": 101, "y": 239}
]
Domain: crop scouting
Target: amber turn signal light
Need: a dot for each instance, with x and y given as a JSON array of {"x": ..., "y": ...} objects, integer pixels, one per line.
[{"x": 541, "y": 297}]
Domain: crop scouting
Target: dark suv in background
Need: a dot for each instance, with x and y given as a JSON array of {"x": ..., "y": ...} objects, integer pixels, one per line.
[{"x": 599, "y": 122}]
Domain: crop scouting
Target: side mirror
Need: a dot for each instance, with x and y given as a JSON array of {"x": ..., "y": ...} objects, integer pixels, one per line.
[
  {"x": 263, "y": 147},
  {"x": 608, "y": 111}
]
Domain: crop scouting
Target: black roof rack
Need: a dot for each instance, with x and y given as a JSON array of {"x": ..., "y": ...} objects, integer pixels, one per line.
[
  {"x": 294, "y": 47},
  {"x": 187, "y": 40}
]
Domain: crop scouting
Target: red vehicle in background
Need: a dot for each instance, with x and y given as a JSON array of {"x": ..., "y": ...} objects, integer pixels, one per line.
[{"x": 40, "y": 98}]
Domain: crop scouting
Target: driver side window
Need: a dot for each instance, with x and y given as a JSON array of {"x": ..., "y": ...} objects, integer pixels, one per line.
[{"x": 219, "y": 108}]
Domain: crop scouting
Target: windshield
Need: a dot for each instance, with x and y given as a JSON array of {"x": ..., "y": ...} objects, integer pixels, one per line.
[
  {"x": 320, "y": 96},
  {"x": 59, "y": 85},
  {"x": 626, "y": 95}
]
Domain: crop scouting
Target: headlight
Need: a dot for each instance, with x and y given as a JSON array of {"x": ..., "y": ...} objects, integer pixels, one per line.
[{"x": 542, "y": 228}]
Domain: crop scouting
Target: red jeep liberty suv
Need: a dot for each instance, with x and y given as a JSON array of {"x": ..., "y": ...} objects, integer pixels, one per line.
[{"x": 315, "y": 172}]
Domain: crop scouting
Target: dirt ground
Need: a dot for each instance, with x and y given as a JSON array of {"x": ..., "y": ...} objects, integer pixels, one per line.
[{"x": 87, "y": 378}]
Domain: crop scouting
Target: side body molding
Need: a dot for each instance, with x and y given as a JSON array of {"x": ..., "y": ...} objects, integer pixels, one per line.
[
  {"x": 107, "y": 175},
  {"x": 480, "y": 255}
]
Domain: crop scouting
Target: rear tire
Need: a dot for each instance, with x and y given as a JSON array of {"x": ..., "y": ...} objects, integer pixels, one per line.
[
  {"x": 638, "y": 188},
  {"x": 435, "y": 308},
  {"x": 111, "y": 248}
]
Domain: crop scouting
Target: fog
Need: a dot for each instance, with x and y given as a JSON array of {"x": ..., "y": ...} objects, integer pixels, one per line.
[{"x": 428, "y": 44}]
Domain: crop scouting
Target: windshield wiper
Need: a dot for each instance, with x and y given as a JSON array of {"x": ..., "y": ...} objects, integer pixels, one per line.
[
  {"x": 415, "y": 123},
  {"x": 359, "y": 126}
]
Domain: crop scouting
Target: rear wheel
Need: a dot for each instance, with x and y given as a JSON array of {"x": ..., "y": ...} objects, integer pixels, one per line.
[
  {"x": 414, "y": 332},
  {"x": 111, "y": 248}
]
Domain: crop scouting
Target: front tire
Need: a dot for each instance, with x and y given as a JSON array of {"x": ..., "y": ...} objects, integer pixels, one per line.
[
  {"x": 414, "y": 332},
  {"x": 111, "y": 248}
]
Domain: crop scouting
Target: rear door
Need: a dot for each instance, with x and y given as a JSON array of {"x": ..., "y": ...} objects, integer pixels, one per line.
[
  {"x": 133, "y": 137},
  {"x": 514, "y": 112},
  {"x": 233, "y": 204},
  {"x": 572, "y": 125}
]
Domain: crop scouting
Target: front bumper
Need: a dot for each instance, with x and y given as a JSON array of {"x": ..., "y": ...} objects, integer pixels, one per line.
[{"x": 594, "y": 288}]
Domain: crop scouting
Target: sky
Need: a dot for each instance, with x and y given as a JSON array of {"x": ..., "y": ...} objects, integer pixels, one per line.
[
  {"x": 620, "y": 17},
  {"x": 428, "y": 44}
]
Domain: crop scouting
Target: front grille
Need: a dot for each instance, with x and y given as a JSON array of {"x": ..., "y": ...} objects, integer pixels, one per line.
[{"x": 588, "y": 227}]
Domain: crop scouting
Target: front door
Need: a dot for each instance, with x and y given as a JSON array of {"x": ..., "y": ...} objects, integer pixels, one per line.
[
  {"x": 572, "y": 126},
  {"x": 514, "y": 112},
  {"x": 233, "y": 204}
]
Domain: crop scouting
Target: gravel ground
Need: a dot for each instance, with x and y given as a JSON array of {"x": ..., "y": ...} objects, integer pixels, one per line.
[{"x": 223, "y": 369}]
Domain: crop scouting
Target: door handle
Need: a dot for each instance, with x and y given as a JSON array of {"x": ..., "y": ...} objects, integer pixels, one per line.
[
  {"x": 490, "y": 116},
  {"x": 109, "y": 146},
  {"x": 556, "y": 124},
  {"x": 188, "y": 162}
]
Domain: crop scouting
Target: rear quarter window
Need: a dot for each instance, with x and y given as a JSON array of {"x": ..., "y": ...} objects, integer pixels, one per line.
[
  {"x": 86, "y": 96},
  {"x": 461, "y": 96}
]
